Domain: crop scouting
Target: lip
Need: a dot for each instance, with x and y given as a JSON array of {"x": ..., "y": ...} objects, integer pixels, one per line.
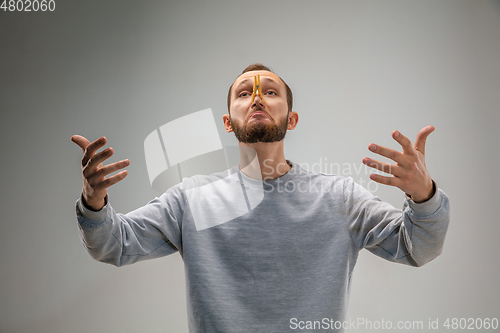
[{"x": 258, "y": 113}]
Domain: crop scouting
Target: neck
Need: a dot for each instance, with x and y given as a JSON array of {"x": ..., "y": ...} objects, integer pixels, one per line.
[{"x": 263, "y": 161}]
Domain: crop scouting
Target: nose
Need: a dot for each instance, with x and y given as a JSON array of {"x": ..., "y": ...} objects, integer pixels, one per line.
[
  {"x": 257, "y": 99},
  {"x": 257, "y": 91}
]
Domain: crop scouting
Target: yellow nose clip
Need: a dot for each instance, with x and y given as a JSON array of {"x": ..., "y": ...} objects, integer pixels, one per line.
[{"x": 257, "y": 89}]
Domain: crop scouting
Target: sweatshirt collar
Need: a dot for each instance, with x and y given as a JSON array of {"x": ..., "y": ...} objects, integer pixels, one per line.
[{"x": 280, "y": 180}]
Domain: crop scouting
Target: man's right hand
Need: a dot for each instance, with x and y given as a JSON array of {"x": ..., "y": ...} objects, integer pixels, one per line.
[{"x": 93, "y": 171}]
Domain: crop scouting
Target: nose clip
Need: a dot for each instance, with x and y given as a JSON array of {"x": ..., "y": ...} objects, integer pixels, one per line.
[{"x": 257, "y": 89}]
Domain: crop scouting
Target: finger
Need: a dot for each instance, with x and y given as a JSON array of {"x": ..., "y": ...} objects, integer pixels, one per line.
[
  {"x": 106, "y": 170},
  {"x": 422, "y": 138},
  {"x": 81, "y": 141},
  {"x": 92, "y": 148},
  {"x": 95, "y": 160},
  {"x": 382, "y": 166},
  {"x": 391, "y": 181},
  {"x": 113, "y": 179},
  {"x": 403, "y": 141},
  {"x": 387, "y": 152}
]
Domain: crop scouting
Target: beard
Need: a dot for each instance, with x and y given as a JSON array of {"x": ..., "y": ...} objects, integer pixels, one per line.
[{"x": 259, "y": 131}]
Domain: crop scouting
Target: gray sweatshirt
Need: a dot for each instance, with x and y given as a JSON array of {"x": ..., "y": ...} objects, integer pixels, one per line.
[{"x": 263, "y": 256}]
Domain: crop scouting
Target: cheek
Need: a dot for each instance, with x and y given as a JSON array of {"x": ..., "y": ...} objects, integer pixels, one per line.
[
  {"x": 240, "y": 105},
  {"x": 279, "y": 105},
  {"x": 235, "y": 114}
]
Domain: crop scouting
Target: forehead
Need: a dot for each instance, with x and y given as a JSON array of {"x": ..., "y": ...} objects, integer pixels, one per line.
[{"x": 264, "y": 76}]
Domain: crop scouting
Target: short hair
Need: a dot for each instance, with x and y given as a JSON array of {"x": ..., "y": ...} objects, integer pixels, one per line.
[{"x": 261, "y": 67}]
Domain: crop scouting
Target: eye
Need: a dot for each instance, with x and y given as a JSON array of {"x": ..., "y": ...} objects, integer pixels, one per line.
[
  {"x": 270, "y": 92},
  {"x": 243, "y": 94}
]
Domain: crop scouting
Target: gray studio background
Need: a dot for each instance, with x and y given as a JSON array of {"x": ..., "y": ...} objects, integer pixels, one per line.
[{"x": 358, "y": 70}]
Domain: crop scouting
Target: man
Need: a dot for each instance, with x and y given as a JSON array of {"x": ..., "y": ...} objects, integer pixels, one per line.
[{"x": 289, "y": 258}]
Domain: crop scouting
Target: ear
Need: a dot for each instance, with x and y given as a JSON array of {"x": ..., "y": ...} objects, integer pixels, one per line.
[
  {"x": 227, "y": 123},
  {"x": 293, "y": 119}
]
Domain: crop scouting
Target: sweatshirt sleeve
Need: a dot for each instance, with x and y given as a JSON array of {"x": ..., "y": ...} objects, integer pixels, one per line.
[
  {"x": 412, "y": 236},
  {"x": 151, "y": 231}
]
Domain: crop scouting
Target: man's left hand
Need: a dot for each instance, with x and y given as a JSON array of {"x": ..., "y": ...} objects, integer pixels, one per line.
[{"x": 409, "y": 173}]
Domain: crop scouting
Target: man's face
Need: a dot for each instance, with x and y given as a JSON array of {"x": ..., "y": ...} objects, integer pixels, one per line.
[{"x": 263, "y": 120}]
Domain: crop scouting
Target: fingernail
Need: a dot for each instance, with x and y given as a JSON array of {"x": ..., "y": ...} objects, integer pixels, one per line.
[
  {"x": 396, "y": 135},
  {"x": 372, "y": 147},
  {"x": 366, "y": 160}
]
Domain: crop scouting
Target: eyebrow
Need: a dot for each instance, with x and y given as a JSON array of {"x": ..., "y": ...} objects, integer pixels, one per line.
[
  {"x": 269, "y": 79},
  {"x": 263, "y": 79}
]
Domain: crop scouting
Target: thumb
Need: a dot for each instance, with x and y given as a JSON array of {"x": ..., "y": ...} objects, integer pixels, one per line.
[
  {"x": 80, "y": 141},
  {"x": 422, "y": 137}
]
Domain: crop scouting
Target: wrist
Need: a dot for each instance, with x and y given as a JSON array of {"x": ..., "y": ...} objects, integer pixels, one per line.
[
  {"x": 425, "y": 197},
  {"x": 93, "y": 205}
]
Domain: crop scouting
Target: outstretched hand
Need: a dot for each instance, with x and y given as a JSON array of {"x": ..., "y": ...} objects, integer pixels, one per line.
[
  {"x": 93, "y": 171},
  {"x": 409, "y": 173}
]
